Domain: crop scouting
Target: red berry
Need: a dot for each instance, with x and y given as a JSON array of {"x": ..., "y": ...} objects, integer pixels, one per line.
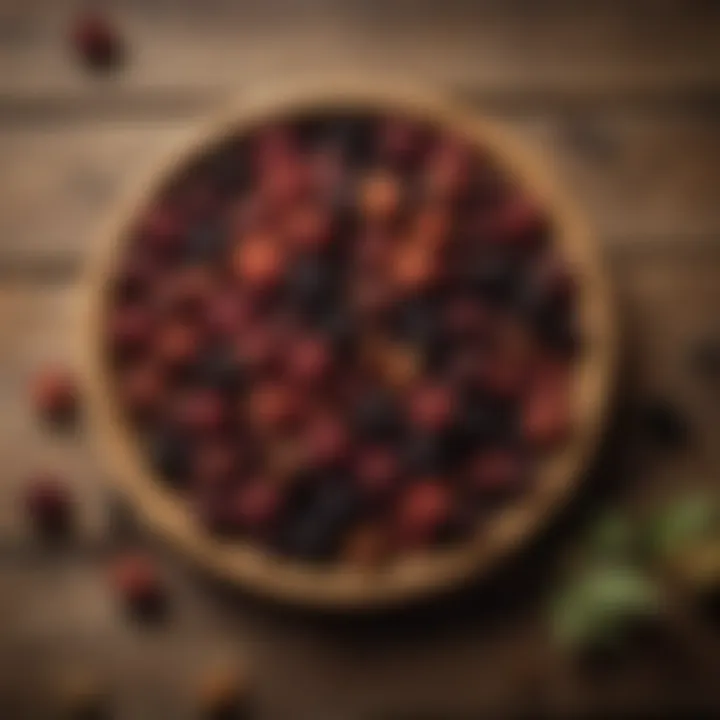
[
  {"x": 285, "y": 183},
  {"x": 400, "y": 141},
  {"x": 466, "y": 318},
  {"x": 310, "y": 360},
  {"x": 518, "y": 221},
  {"x": 546, "y": 416},
  {"x": 272, "y": 146},
  {"x": 327, "y": 172},
  {"x": 372, "y": 250},
  {"x": 448, "y": 171},
  {"x": 256, "y": 504},
  {"x": 372, "y": 296},
  {"x": 377, "y": 469},
  {"x": 327, "y": 441},
  {"x": 414, "y": 268},
  {"x": 130, "y": 328},
  {"x": 273, "y": 406},
  {"x": 136, "y": 580},
  {"x": 495, "y": 471},
  {"x": 258, "y": 262},
  {"x": 202, "y": 411},
  {"x": 49, "y": 505},
  {"x": 258, "y": 348},
  {"x": 96, "y": 41},
  {"x": 186, "y": 291},
  {"x": 136, "y": 275},
  {"x": 55, "y": 394},
  {"x": 380, "y": 197},
  {"x": 499, "y": 376},
  {"x": 249, "y": 214},
  {"x": 422, "y": 511},
  {"x": 228, "y": 314},
  {"x": 214, "y": 464},
  {"x": 432, "y": 408},
  {"x": 432, "y": 226},
  {"x": 161, "y": 229},
  {"x": 177, "y": 344},
  {"x": 309, "y": 228},
  {"x": 505, "y": 368},
  {"x": 142, "y": 388}
]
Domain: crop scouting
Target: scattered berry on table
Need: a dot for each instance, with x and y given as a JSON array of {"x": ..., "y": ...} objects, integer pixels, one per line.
[
  {"x": 55, "y": 394},
  {"x": 49, "y": 505},
  {"x": 137, "y": 581},
  {"x": 97, "y": 41}
]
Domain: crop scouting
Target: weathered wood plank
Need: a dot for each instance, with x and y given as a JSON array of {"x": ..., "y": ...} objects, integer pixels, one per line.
[
  {"x": 640, "y": 179},
  {"x": 565, "y": 47}
]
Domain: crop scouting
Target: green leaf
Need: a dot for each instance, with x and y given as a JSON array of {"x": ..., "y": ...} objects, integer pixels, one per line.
[
  {"x": 612, "y": 538},
  {"x": 598, "y": 606},
  {"x": 684, "y": 522}
]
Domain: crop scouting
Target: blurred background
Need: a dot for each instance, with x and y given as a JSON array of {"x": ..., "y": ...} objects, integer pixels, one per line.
[{"x": 623, "y": 99}]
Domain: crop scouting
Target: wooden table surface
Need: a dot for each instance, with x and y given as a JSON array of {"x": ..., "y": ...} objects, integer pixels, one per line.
[{"x": 623, "y": 97}]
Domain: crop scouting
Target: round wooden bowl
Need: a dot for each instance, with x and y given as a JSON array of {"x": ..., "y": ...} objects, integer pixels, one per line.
[{"x": 409, "y": 577}]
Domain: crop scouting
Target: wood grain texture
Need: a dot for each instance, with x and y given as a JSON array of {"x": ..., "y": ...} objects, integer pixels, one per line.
[
  {"x": 639, "y": 179},
  {"x": 519, "y": 46}
]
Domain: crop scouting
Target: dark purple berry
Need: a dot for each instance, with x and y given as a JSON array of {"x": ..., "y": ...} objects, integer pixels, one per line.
[
  {"x": 311, "y": 285},
  {"x": 425, "y": 454},
  {"x": 96, "y": 41},
  {"x": 494, "y": 277},
  {"x": 55, "y": 395},
  {"x": 170, "y": 456},
  {"x": 219, "y": 369},
  {"x": 376, "y": 416},
  {"x": 49, "y": 505},
  {"x": 417, "y": 323},
  {"x": 339, "y": 327},
  {"x": 316, "y": 532},
  {"x": 206, "y": 242}
]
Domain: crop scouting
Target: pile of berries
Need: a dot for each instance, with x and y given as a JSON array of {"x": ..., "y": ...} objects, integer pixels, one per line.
[{"x": 343, "y": 336}]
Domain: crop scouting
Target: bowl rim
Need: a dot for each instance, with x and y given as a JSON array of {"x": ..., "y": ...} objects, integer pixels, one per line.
[{"x": 411, "y": 576}]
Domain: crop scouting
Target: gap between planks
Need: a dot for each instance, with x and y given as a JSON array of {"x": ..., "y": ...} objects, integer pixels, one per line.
[{"x": 112, "y": 104}]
